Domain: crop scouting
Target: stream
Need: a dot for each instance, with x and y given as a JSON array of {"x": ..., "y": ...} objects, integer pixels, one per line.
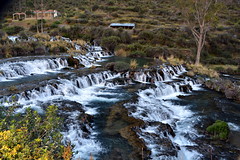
[{"x": 167, "y": 111}]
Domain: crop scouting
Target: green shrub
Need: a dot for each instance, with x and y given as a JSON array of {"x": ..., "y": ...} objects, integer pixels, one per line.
[
  {"x": 146, "y": 35},
  {"x": 110, "y": 42},
  {"x": 136, "y": 47},
  {"x": 95, "y": 7},
  {"x": 24, "y": 35},
  {"x": 121, "y": 66},
  {"x": 136, "y": 54},
  {"x": 125, "y": 37},
  {"x": 219, "y": 130},
  {"x": 13, "y": 30}
]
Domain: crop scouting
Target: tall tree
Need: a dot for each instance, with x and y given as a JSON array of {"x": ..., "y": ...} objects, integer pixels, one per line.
[
  {"x": 36, "y": 6},
  {"x": 200, "y": 15},
  {"x": 42, "y": 16}
]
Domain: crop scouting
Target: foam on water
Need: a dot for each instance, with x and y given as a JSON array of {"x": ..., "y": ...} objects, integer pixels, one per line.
[
  {"x": 234, "y": 127},
  {"x": 10, "y": 70},
  {"x": 154, "y": 105}
]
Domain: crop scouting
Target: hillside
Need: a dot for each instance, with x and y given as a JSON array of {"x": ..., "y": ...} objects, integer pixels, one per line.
[{"x": 160, "y": 29}]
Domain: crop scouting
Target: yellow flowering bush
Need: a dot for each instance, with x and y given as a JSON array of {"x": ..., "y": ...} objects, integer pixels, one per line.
[{"x": 31, "y": 136}]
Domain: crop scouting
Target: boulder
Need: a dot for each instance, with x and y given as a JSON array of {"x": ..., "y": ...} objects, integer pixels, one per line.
[{"x": 73, "y": 62}]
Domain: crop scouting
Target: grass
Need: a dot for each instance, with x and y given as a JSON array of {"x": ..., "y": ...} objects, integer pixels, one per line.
[
  {"x": 215, "y": 67},
  {"x": 201, "y": 70},
  {"x": 121, "y": 52},
  {"x": 175, "y": 61},
  {"x": 133, "y": 64}
]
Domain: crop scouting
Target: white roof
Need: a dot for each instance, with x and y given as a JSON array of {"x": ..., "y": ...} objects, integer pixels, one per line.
[{"x": 122, "y": 25}]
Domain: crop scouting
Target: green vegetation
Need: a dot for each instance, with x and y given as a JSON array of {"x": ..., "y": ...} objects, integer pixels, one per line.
[
  {"x": 160, "y": 30},
  {"x": 219, "y": 130},
  {"x": 12, "y": 30},
  {"x": 199, "y": 15},
  {"x": 31, "y": 136},
  {"x": 201, "y": 70},
  {"x": 118, "y": 66}
]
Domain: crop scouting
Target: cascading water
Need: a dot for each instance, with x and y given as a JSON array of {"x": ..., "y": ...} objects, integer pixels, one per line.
[
  {"x": 153, "y": 105},
  {"x": 18, "y": 69},
  {"x": 79, "y": 91}
]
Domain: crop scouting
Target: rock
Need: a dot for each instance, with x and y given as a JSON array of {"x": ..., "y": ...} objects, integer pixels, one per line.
[
  {"x": 110, "y": 66},
  {"x": 119, "y": 122},
  {"x": 73, "y": 62},
  {"x": 40, "y": 50},
  {"x": 185, "y": 88},
  {"x": 230, "y": 89}
]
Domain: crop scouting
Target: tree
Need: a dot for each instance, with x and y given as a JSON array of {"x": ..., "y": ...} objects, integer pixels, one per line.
[
  {"x": 42, "y": 16},
  {"x": 199, "y": 15},
  {"x": 35, "y": 3}
]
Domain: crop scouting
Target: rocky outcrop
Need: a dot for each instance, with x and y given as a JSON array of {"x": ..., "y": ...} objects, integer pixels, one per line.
[
  {"x": 130, "y": 128},
  {"x": 73, "y": 62},
  {"x": 119, "y": 122},
  {"x": 185, "y": 88},
  {"x": 230, "y": 89}
]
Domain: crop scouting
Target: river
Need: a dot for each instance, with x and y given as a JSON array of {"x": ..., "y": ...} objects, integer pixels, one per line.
[{"x": 98, "y": 106}]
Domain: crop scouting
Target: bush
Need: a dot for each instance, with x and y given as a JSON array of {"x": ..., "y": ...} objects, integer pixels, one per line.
[
  {"x": 30, "y": 136},
  {"x": 219, "y": 130},
  {"x": 95, "y": 7},
  {"x": 146, "y": 35},
  {"x": 24, "y": 35},
  {"x": 136, "y": 54},
  {"x": 110, "y": 42},
  {"x": 13, "y": 30},
  {"x": 118, "y": 66},
  {"x": 202, "y": 70},
  {"x": 125, "y": 37},
  {"x": 121, "y": 66}
]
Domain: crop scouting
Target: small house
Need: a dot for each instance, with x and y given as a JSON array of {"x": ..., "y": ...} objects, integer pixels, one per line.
[
  {"x": 19, "y": 16},
  {"x": 46, "y": 14},
  {"x": 38, "y": 14},
  {"x": 122, "y": 25}
]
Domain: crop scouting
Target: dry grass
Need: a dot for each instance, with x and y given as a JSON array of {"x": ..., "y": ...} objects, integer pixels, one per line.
[
  {"x": 56, "y": 44},
  {"x": 42, "y": 36},
  {"x": 80, "y": 42},
  {"x": 133, "y": 64},
  {"x": 121, "y": 52},
  {"x": 233, "y": 67},
  {"x": 72, "y": 51},
  {"x": 145, "y": 66},
  {"x": 202, "y": 70},
  {"x": 174, "y": 61}
]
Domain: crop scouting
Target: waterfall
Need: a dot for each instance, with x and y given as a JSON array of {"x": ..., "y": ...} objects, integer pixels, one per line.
[
  {"x": 154, "y": 106},
  {"x": 73, "y": 92},
  {"x": 97, "y": 52},
  {"x": 62, "y": 88},
  {"x": 18, "y": 69},
  {"x": 154, "y": 75}
]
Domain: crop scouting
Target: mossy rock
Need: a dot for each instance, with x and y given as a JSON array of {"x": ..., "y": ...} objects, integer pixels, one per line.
[{"x": 219, "y": 130}]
